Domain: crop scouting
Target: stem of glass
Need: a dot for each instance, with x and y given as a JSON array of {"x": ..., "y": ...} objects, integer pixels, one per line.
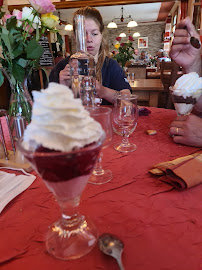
[
  {"x": 98, "y": 170},
  {"x": 125, "y": 141},
  {"x": 70, "y": 214}
]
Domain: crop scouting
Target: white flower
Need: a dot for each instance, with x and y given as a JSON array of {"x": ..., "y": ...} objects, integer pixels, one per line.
[{"x": 28, "y": 15}]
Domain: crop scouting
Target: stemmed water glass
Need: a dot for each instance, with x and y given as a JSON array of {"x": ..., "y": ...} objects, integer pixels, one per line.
[
  {"x": 66, "y": 175},
  {"x": 125, "y": 115},
  {"x": 103, "y": 116}
]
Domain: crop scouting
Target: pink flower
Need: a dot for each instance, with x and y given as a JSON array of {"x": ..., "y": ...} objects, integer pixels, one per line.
[
  {"x": 18, "y": 14},
  {"x": 5, "y": 17},
  {"x": 118, "y": 38},
  {"x": 130, "y": 38},
  {"x": 42, "y": 6}
]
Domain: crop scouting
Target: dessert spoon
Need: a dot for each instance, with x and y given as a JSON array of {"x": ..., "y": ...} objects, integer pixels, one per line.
[
  {"x": 112, "y": 246},
  {"x": 194, "y": 41}
]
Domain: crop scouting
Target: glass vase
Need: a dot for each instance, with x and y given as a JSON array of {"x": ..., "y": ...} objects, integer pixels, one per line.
[{"x": 20, "y": 103}]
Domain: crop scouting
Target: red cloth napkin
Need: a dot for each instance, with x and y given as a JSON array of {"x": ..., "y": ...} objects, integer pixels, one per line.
[{"x": 182, "y": 173}]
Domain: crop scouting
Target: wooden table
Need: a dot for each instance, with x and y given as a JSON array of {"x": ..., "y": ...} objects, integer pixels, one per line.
[{"x": 147, "y": 90}]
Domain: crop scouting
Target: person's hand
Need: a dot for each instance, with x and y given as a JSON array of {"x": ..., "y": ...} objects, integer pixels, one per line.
[
  {"x": 100, "y": 89},
  {"x": 182, "y": 52},
  {"x": 187, "y": 130},
  {"x": 64, "y": 76}
]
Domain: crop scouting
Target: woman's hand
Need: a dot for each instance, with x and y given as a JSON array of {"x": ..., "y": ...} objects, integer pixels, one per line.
[
  {"x": 182, "y": 52},
  {"x": 187, "y": 130},
  {"x": 64, "y": 76}
]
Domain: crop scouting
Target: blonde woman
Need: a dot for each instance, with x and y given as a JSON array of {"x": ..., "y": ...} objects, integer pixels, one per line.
[{"x": 110, "y": 77}]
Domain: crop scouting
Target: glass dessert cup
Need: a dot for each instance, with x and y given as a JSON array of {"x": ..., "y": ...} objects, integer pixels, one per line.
[
  {"x": 125, "y": 115},
  {"x": 103, "y": 116},
  {"x": 66, "y": 175},
  {"x": 183, "y": 105}
]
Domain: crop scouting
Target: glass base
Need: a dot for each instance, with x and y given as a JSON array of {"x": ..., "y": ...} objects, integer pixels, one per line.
[
  {"x": 125, "y": 148},
  {"x": 99, "y": 179},
  {"x": 69, "y": 242}
]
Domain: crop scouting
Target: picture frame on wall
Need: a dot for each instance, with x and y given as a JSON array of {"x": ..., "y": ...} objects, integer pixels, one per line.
[{"x": 142, "y": 42}]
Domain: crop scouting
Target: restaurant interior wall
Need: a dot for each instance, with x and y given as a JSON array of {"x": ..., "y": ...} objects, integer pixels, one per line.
[{"x": 154, "y": 32}]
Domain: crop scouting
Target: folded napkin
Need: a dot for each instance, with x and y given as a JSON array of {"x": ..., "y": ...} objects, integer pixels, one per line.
[
  {"x": 182, "y": 173},
  {"x": 12, "y": 185}
]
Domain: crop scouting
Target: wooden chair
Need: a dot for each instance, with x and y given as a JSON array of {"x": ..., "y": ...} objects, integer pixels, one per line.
[{"x": 169, "y": 75}]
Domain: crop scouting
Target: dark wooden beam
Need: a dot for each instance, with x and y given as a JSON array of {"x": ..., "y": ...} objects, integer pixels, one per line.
[{"x": 93, "y": 3}]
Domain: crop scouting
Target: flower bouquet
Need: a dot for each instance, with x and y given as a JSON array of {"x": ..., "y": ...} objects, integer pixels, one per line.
[
  {"x": 125, "y": 51},
  {"x": 20, "y": 33}
]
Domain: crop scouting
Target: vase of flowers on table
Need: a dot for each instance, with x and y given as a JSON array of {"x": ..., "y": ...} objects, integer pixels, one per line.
[
  {"x": 20, "y": 33},
  {"x": 125, "y": 51}
]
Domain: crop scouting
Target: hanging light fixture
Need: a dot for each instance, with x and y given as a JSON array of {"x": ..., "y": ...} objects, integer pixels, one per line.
[
  {"x": 136, "y": 34},
  {"x": 131, "y": 23},
  {"x": 68, "y": 27},
  {"x": 112, "y": 25},
  {"x": 122, "y": 35}
]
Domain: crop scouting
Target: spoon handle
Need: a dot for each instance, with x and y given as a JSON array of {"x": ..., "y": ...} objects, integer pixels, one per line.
[{"x": 119, "y": 261}]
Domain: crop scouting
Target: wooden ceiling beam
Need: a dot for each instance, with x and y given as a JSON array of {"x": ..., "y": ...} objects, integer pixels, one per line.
[{"x": 93, "y": 3}]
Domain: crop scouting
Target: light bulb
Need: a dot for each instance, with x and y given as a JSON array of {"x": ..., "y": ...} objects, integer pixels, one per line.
[{"x": 112, "y": 25}]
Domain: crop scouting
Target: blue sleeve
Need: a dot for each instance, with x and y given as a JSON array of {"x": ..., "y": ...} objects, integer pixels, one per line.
[{"x": 113, "y": 76}]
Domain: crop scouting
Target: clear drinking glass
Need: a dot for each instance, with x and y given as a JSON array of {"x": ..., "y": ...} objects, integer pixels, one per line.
[
  {"x": 183, "y": 104},
  {"x": 82, "y": 67},
  {"x": 103, "y": 116},
  {"x": 66, "y": 175},
  {"x": 125, "y": 115}
]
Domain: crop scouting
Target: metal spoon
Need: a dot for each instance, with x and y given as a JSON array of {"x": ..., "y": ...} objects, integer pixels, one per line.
[
  {"x": 194, "y": 41},
  {"x": 112, "y": 246}
]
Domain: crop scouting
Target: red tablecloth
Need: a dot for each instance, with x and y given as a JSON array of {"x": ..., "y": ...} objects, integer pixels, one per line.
[{"x": 160, "y": 226}]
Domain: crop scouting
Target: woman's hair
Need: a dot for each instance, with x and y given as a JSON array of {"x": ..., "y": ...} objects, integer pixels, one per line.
[{"x": 94, "y": 14}]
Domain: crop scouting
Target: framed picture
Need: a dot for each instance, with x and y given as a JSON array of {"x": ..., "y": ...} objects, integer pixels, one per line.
[{"x": 143, "y": 42}]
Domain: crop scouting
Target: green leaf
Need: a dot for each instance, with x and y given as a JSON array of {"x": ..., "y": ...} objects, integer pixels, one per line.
[
  {"x": 11, "y": 23},
  {"x": 1, "y": 78},
  {"x": 18, "y": 72},
  {"x": 5, "y": 38},
  {"x": 34, "y": 50},
  {"x": 18, "y": 51},
  {"x": 22, "y": 62},
  {"x": 2, "y": 14}
]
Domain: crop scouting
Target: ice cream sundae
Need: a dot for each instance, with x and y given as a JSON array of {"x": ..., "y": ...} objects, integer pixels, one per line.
[
  {"x": 186, "y": 92},
  {"x": 62, "y": 143}
]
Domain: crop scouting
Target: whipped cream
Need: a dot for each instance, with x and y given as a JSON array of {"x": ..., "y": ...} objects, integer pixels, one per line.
[
  {"x": 59, "y": 121},
  {"x": 188, "y": 85}
]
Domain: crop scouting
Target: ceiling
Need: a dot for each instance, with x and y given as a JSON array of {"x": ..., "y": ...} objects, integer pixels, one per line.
[
  {"x": 140, "y": 10},
  {"x": 141, "y": 13}
]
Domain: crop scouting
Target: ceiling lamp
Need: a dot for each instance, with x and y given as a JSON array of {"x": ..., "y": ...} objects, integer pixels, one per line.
[
  {"x": 68, "y": 27},
  {"x": 112, "y": 25},
  {"x": 136, "y": 34},
  {"x": 131, "y": 22},
  {"x": 122, "y": 35}
]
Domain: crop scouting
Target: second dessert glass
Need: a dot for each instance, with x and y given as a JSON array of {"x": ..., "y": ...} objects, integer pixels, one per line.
[
  {"x": 183, "y": 104},
  {"x": 66, "y": 175}
]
